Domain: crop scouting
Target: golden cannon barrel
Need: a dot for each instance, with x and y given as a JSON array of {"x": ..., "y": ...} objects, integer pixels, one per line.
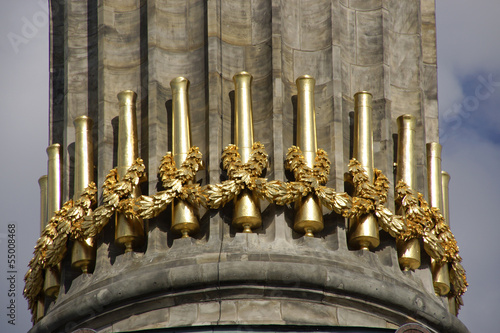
[
  {"x": 184, "y": 215},
  {"x": 408, "y": 251},
  {"x": 308, "y": 214},
  {"x": 246, "y": 214},
  {"x": 128, "y": 232},
  {"x": 363, "y": 230},
  {"x": 52, "y": 274},
  {"x": 83, "y": 251},
  {"x": 440, "y": 272}
]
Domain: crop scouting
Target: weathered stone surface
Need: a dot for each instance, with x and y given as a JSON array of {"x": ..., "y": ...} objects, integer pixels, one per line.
[
  {"x": 318, "y": 64},
  {"x": 347, "y": 317},
  {"x": 369, "y": 38},
  {"x": 314, "y": 314},
  {"x": 405, "y": 15},
  {"x": 261, "y": 312},
  {"x": 365, "y": 4},
  {"x": 183, "y": 315},
  {"x": 405, "y": 68},
  {"x": 368, "y": 78}
]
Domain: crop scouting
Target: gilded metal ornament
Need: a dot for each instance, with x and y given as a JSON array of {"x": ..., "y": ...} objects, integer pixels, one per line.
[
  {"x": 308, "y": 213},
  {"x": 184, "y": 214},
  {"x": 416, "y": 219},
  {"x": 408, "y": 250},
  {"x": 42, "y": 182},
  {"x": 363, "y": 228},
  {"x": 440, "y": 272},
  {"x": 420, "y": 221},
  {"x": 246, "y": 213},
  {"x": 129, "y": 231}
]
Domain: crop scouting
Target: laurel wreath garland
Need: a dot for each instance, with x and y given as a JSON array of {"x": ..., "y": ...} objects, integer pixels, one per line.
[
  {"x": 369, "y": 198},
  {"x": 69, "y": 221},
  {"x": 439, "y": 242},
  {"x": 418, "y": 220},
  {"x": 77, "y": 220}
]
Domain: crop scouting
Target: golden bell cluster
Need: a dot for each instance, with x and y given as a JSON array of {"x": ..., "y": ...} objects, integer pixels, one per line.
[{"x": 415, "y": 223}]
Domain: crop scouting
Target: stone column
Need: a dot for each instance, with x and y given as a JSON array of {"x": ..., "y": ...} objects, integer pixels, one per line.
[{"x": 76, "y": 85}]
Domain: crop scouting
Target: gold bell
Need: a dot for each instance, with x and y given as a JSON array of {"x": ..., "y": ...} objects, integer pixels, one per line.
[
  {"x": 184, "y": 218},
  {"x": 408, "y": 253},
  {"x": 82, "y": 255},
  {"x": 441, "y": 278},
  {"x": 308, "y": 215},
  {"x": 51, "y": 284},
  {"x": 363, "y": 232},
  {"x": 246, "y": 211}
]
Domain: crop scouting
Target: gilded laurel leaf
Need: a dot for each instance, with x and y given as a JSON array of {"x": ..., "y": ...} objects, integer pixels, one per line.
[
  {"x": 381, "y": 184},
  {"x": 167, "y": 167},
  {"x": 393, "y": 224},
  {"x": 296, "y": 163},
  {"x": 214, "y": 196},
  {"x": 340, "y": 203},
  {"x": 190, "y": 166},
  {"x": 458, "y": 278},
  {"x": 321, "y": 168},
  {"x": 113, "y": 191},
  {"x": 110, "y": 182},
  {"x": 432, "y": 246},
  {"x": 257, "y": 161},
  {"x": 237, "y": 170},
  {"x": 414, "y": 216},
  {"x": 148, "y": 207}
]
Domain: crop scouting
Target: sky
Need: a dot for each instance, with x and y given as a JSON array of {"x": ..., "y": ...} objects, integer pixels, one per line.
[{"x": 468, "y": 37}]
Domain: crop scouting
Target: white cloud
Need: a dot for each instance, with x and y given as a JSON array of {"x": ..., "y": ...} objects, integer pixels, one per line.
[{"x": 468, "y": 34}]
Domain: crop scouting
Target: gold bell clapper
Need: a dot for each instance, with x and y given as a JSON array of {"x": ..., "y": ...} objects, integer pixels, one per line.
[
  {"x": 364, "y": 230},
  {"x": 408, "y": 251},
  {"x": 246, "y": 215},
  {"x": 308, "y": 214},
  {"x": 129, "y": 232},
  {"x": 440, "y": 272},
  {"x": 184, "y": 215},
  {"x": 83, "y": 251}
]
